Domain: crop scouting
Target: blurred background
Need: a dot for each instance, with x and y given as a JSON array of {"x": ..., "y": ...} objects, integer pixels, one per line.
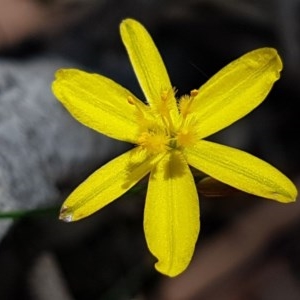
[{"x": 248, "y": 247}]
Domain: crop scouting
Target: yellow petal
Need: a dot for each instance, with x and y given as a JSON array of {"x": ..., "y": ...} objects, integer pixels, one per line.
[
  {"x": 107, "y": 184},
  {"x": 241, "y": 170},
  {"x": 236, "y": 90},
  {"x": 171, "y": 220},
  {"x": 97, "y": 102},
  {"x": 147, "y": 63}
]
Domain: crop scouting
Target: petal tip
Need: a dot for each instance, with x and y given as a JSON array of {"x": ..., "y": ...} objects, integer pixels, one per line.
[
  {"x": 292, "y": 193},
  {"x": 170, "y": 272},
  {"x": 293, "y": 197},
  {"x": 128, "y": 22},
  {"x": 287, "y": 195},
  {"x": 59, "y": 73},
  {"x": 65, "y": 214}
]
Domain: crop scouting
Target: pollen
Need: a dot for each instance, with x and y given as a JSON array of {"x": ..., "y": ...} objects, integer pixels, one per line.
[
  {"x": 154, "y": 142},
  {"x": 186, "y": 138}
]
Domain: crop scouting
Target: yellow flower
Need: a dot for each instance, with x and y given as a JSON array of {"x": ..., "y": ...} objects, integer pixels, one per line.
[{"x": 168, "y": 135}]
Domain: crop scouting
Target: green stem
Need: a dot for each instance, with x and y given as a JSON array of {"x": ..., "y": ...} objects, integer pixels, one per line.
[{"x": 17, "y": 214}]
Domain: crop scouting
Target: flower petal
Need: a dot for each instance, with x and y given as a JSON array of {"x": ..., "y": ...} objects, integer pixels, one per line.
[
  {"x": 241, "y": 170},
  {"x": 235, "y": 90},
  {"x": 147, "y": 63},
  {"x": 106, "y": 184},
  {"x": 171, "y": 220},
  {"x": 97, "y": 102}
]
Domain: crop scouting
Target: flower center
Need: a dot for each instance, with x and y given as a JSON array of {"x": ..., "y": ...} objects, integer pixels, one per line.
[{"x": 159, "y": 131}]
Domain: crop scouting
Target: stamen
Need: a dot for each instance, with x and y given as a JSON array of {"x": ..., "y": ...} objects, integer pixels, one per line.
[
  {"x": 130, "y": 100},
  {"x": 164, "y": 109},
  {"x": 153, "y": 142},
  {"x": 164, "y": 95},
  {"x": 184, "y": 105},
  {"x": 186, "y": 137},
  {"x": 141, "y": 109},
  {"x": 194, "y": 93}
]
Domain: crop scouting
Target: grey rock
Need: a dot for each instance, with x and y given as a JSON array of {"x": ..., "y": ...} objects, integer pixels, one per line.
[{"x": 43, "y": 150}]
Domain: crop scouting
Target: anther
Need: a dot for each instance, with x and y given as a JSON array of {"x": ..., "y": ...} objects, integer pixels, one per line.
[
  {"x": 130, "y": 100},
  {"x": 164, "y": 95},
  {"x": 194, "y": 93}
]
